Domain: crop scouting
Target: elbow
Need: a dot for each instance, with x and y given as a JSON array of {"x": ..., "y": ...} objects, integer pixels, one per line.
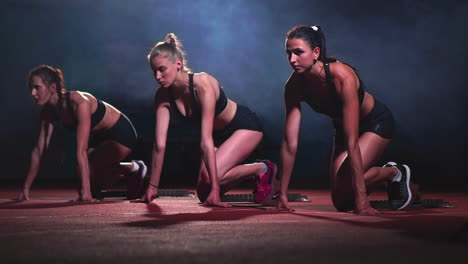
[
  {"x": 36, "y": 156},
  {"x": 81, "y": 156},
  {"x": 36, "y": 152},
  {"x": 290, "y": 145},
  {"x": 352, "y": 144},
  {"x": 206, "y": 146},
  {"x": 159, "y": 148}
]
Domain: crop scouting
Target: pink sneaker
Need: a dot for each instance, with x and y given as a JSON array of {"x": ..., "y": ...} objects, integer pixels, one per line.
[{"x": 266, "y": 183}]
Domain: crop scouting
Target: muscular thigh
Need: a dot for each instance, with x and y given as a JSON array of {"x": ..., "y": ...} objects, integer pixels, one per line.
[
  {"x": 107, "y": 153},
  {"x": 235, "y": 149},
  {"x": 371, "y": 146}
]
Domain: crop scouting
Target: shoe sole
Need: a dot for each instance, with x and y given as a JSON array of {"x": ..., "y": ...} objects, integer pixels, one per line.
[{"x": 410, "y": 196}]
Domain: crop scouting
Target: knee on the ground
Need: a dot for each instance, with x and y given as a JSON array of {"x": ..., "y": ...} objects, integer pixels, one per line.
[
  {"x": 203, "y": 190},
  {"x": 343, "y": 202}
]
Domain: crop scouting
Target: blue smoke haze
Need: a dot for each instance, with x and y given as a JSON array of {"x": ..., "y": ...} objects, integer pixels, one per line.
[{"x": 410, "y": 54}]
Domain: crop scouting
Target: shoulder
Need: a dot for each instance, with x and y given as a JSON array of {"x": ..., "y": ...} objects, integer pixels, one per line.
[
  {"x": 161, "y": 93},
  {"x": 341, "y": 71},
  {"x": 204, "y": 81},
  {"x": 294, "y": 82},
  {"x": 202, "y": 77},
  {"x": 161, "y": 96},
  {"x": 79, "y": 98},
  {"x": 293, "y": 89}
]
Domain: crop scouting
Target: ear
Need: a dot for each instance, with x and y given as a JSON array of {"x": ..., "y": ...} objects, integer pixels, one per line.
[
  {"x": 53, "y": 87},
  {"x": 316, "y": 52},
  {"x": 179, "y": 65}
]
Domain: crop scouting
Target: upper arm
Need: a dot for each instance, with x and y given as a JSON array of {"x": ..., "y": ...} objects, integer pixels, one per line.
[
  {"x": 207, "y": 100},
  {"x": 348, "y": 83},
  {"x": 83, "y": 117},
  {"x": 292, "y": 101},
  {"x": 162, "y": 116}
]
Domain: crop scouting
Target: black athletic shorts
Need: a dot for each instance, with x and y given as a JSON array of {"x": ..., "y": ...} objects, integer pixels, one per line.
[
  {"x": 243, "y": 119},
  {"x": 379, "y": 121},
  {"x": 123, "y": 132}
]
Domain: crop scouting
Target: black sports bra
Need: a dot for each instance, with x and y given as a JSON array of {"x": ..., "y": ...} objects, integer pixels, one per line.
[
  {"x": 335, "y": 108},
  {"x": 96, "y": 117},
  {"x": 221, "y": 103}
]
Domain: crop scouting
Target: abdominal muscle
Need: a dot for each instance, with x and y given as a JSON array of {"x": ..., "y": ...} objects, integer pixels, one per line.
[
  {"x": 226, "y": 116},
  {"x": 365, "y": 108},
  {"x": 110, "y": 117}
]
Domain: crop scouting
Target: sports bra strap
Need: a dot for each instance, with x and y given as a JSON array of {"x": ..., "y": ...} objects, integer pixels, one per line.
[
  {"x": 328, "y": 76},
  {"x": 192, "y": 89},
  {"x": 329, "y": 79},
  {"x": 69, "y": 106}
]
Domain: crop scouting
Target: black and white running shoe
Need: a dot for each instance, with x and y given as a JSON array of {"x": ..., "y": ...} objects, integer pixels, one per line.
[
  {"x": 399, "y": 192},
  {"x": 138, "y": 182},
  {"x": 142, "y": 170}
]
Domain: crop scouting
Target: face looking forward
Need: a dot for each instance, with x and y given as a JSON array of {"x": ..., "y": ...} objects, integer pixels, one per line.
[
  {"x": 41, "y": 92},
  {"x": 300, "y": 55}
]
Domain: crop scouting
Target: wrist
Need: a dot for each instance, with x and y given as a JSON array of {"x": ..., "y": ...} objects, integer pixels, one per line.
[
  {"x": 214, "y": 188},
  {"x": 85, "y": 193},
  {"x": 282, "y": 193},
  {"x": 155, "y": 186}
]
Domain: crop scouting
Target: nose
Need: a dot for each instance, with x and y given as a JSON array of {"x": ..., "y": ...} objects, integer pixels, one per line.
[
  {"x": 33, "y": 92},
  {"x": 158, "y": 76},
  {"x": 292, "y": 58}
]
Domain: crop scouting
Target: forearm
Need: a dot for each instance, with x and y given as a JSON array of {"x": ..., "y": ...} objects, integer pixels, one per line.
[
  {"x": 83, "y": 171},
  {"x": 34, "y": 166},
  {"x": 157, "y": 162},
  {"x": 209, "y": 158},
  {"x": 356, "y": 170},
  {"x": 288, "y": 157}
]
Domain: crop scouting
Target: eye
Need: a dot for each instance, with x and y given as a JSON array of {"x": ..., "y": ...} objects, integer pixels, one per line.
[{"x": 298, "y": 51}]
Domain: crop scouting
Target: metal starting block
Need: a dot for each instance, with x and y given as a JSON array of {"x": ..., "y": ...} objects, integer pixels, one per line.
[{"x": 249, "y": 197}]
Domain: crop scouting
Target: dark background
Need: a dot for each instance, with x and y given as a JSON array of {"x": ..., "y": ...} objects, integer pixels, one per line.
[{"x": 410, "y": 54}]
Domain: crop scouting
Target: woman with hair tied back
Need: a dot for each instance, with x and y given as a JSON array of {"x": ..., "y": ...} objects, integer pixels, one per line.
[
  {"x": 229, "y": 132},
  {"x": 104, "y": 135},
  {"x": 364, "y": 127}
]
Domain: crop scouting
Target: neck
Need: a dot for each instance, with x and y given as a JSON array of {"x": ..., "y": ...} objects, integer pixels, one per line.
[
  {"x": 315, "y": 71},
  {"x": 181, "y": 83},
  {"x": 54, "y": 102}
]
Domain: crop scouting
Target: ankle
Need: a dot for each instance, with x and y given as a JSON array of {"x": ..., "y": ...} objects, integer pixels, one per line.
[{"x": 262, "y": 168}]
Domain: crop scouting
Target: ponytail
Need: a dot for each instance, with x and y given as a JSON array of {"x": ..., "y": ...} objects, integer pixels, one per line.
[
  {"x": 49, "y": 75},
  {"x": 172, "y": 49},
  {"x": 314, "y": 37}
]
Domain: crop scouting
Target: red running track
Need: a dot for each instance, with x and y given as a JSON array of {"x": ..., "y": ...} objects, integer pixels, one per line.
[{"x": 50, "y": 229}]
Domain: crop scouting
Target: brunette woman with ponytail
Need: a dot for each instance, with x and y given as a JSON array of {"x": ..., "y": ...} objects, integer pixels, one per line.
[
  {"x": 363, "y": 126},
  {"x": 110, "y": 133},
  {"x": 229, "y": 132}
]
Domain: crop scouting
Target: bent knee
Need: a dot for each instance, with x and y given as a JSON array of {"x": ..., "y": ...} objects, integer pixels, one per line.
[
  {"x": 343, "y": 200},
  {"x": 203, "y": 190}
]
